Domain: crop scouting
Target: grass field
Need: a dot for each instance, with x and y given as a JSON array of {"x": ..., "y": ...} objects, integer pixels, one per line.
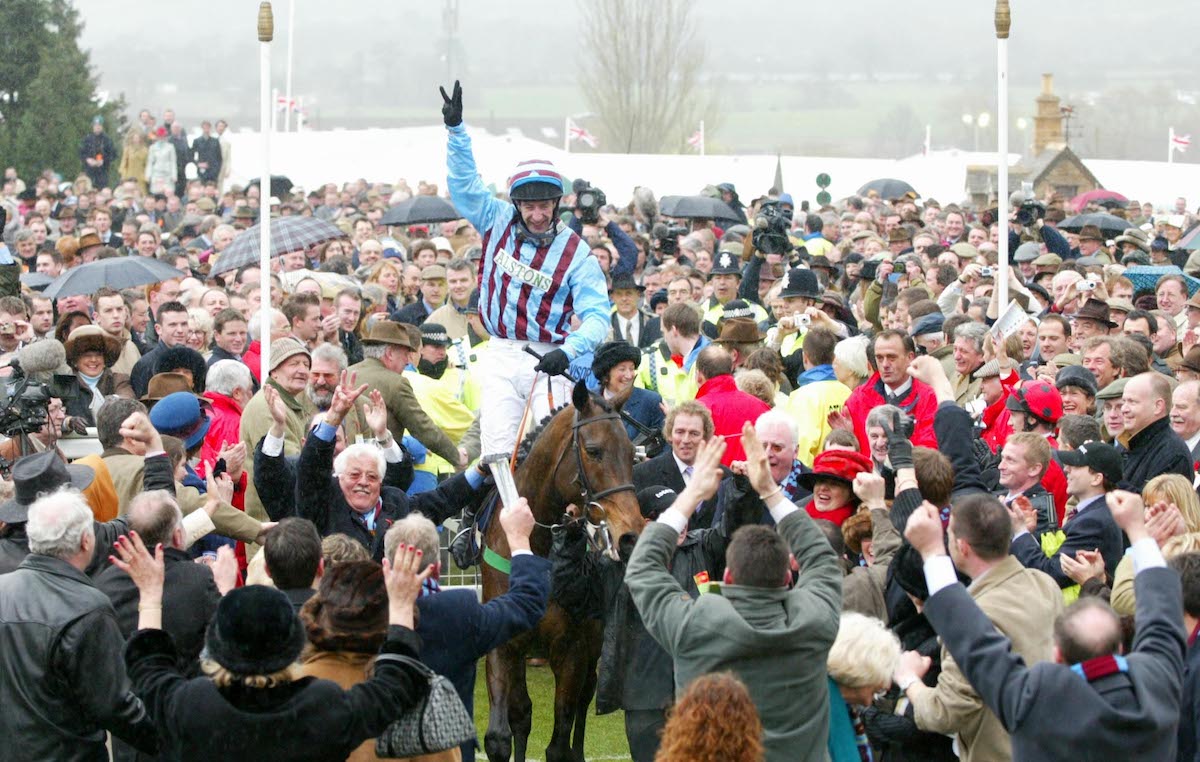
[{"x": 605, "y": 738}]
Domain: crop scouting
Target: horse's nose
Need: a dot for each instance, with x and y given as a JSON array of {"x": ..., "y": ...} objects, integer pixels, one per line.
[{"x": 625, "y": 544}]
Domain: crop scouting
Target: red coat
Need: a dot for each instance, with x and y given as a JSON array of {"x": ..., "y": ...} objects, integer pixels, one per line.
[
  {"x": 996, "y": 417},
  {"x": 253, "y": 360},
  {"x": 1055, "y": 482},
  {"x": 224, "y": 426},
  {"x": 731, "y": 409},
  {"x": 920, "y": 403}
]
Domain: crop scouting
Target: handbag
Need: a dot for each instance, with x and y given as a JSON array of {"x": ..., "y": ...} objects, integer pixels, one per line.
[{"x": 437, "y": 723}]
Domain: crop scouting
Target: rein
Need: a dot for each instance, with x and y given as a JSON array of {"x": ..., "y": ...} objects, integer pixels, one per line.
[{"x": 597, "y": 538}]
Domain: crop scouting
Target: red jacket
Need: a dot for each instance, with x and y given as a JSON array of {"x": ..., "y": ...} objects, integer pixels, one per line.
[
  {"x": 253, "y": 359},
  {"x": 920, "y": 403},
  {"x": 731, "y": 409},
  {"x": 224, "y": 426},
  {"x": 996, "y": 417}
]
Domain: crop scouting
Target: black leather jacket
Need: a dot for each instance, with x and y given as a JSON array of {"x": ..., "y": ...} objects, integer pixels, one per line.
[{"x": 61, "y": 654}]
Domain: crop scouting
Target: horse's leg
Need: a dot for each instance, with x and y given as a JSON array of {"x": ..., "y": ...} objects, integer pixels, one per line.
[
  {"x": 520, "y": 706},
  {"x": 569, "y": 659},
  {"x": 497, "y": 741},
  {"x": 594, "y": 641}
]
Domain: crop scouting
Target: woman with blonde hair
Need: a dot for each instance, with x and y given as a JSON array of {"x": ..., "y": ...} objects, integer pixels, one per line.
[
  {"x": 134, "y": 155},
  {"x": 388, "y": 275},
  {"x": 713, "y": 721},
  {"x": 850, "y": 361},
  {"x": 1172, "y": 518},
  {"x": 200, "y": 331},
  {"x": 861, "y": 662}
]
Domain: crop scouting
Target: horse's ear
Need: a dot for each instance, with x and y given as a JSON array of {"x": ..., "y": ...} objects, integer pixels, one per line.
[{"x": 580, "y": 396}]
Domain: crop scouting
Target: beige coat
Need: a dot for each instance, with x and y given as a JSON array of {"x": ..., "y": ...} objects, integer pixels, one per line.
[
  {"x": 347, "y": 670},
  {"x": 256, "y": 422},
  {"x": 862, "y": 590},
  {"x": 404, "y": 411},
  {"x": 1023, "y": 604},
  {"x": 129, "y": 356},
  {"x": 965, "y": 387},
  {"x": 127, "y": 472}
]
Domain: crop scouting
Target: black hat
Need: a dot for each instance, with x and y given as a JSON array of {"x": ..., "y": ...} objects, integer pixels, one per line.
[
  {"x": 473, "y": 301},
  {"x": 1098, "y": 456},
  {"x": 1078, "y": 376},
  {"x": 38, "y": 475},
  {"x": 726, "y": 263},
  {"x": 610, "y": 353},
  {"x": 799, "y": 282},
  {"x": 254, "y": 632},
  {"x": 654, "y": 500},
  {"x": 624, "y": 281},
  {"x": 435, "y": 334},
  {"x": 657, "y": 298}
]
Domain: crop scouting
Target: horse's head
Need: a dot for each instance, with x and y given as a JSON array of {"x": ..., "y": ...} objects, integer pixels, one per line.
[{"x": 602, "y": 476}]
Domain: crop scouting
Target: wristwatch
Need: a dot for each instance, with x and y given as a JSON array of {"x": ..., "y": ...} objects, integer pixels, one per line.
[{"x": 907, "y": 683}]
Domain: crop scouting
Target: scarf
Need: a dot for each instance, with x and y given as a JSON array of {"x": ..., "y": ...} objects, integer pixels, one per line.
[
  {"x": 432, "y": 369},
  {"x": 791, "y": 485},
  {"x": 430, "y": 587}
]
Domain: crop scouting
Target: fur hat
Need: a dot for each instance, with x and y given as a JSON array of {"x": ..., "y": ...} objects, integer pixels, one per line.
[
  {"x": 90, "y": 338},
  {"x": 841, "y": 465},
  {"x": 349, "y": 611},
  {"x": 254, "y": 632},
  {"x": 612, "y": 353}
]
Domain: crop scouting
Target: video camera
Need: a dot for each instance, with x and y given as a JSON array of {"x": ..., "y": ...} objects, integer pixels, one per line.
[
  {"x": 771, "y": 227},
  {"x": 588, "y": 201},
  {"x": 24, "y": 408},
  {"x": 666, "y": 238},
  {"x": 1029, "y": 210}
]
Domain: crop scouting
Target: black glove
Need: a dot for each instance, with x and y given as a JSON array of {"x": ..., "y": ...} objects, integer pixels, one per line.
[
  {"x": 900, "y": 450},
  {"x": 554, "y": 363},
  {"x": 452, "y": 106}
]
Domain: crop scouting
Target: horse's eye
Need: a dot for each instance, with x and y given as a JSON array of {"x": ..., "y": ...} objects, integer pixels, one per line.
[{"x": 595, "y": 453}]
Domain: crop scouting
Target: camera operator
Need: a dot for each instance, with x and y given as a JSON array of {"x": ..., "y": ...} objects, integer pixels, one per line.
[
  {"x": 1027, "y": 220},
  {"x": 589, "y": 210},
  {"x": 665, "y": 240}
]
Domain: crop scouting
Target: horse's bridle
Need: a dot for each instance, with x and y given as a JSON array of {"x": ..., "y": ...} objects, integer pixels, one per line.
[{"x": 590, "y": 497}]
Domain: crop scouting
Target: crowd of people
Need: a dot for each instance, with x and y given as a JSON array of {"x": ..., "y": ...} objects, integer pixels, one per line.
[{"x": 882, "y": 522}]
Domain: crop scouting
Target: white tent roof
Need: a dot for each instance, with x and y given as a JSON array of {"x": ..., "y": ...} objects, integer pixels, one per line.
[{"x": 419, "y": 153}]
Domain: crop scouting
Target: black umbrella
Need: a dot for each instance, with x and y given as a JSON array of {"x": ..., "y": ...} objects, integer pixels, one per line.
[
  {"x": 420, "y": 209},
  {"x": 280, "y": 186},
  {"x": 115, "y": 273},
  {"x": 36, "y": 281},
  {"x": 287, "y": 234},
  {"x": 1108, "y": 224},
  {"x": 695, "y": 207},
  {"x": 887, "y": 188}
]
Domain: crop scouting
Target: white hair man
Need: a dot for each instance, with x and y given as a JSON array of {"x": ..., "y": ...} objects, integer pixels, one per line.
[
  {"x": 347, "y": 495},
  {"x": 64, "y": 674}
]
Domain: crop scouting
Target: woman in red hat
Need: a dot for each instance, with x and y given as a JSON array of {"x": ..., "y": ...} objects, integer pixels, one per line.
[{"x": 831, "y": 482}]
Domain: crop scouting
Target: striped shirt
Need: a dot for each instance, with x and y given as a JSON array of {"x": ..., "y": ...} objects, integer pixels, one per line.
[{"x": 528, "y": 292}]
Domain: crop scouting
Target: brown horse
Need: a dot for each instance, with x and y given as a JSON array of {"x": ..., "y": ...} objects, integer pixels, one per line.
[{"x": 582, "y": 456}]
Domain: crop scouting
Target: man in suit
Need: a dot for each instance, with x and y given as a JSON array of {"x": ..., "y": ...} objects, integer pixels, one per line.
[
  {"x": 1020, "y": 602},
  {"x": 628, "y": 322},
  {"x": 1185, "y": 416},
  {"x": 455, "y": 628},
  {"x": 1188, "y": 567},
  {"x": 1089, "y": 702},
  {"x": 688, "y": 425},
  {"x": 1093, "y": 470}
]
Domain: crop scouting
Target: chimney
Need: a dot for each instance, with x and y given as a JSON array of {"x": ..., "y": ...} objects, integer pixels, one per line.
[{"x": 1048, "y": 123}]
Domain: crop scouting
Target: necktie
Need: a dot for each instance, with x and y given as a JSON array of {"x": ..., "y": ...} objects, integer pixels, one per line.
[{"x": 687, "y": 475}]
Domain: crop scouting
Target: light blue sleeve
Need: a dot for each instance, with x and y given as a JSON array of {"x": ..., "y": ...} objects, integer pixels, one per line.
[
  {"x": 589, "y": 298},
  {"x": 6, "y": 257},
  {"x": 468, "y": 193}
]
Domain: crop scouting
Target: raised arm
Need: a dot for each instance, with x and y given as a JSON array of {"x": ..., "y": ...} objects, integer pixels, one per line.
[{"x": 471, "y": 198}]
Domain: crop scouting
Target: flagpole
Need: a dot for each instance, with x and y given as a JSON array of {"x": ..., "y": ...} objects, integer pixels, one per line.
[
  {"x": 1170, "y": 145},
  {"x": 266, "y": 31},
  {"x": 1003, "y": 21},
  {"x": 287, "y": 115},
  {"x": 928, "y": 138}
]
